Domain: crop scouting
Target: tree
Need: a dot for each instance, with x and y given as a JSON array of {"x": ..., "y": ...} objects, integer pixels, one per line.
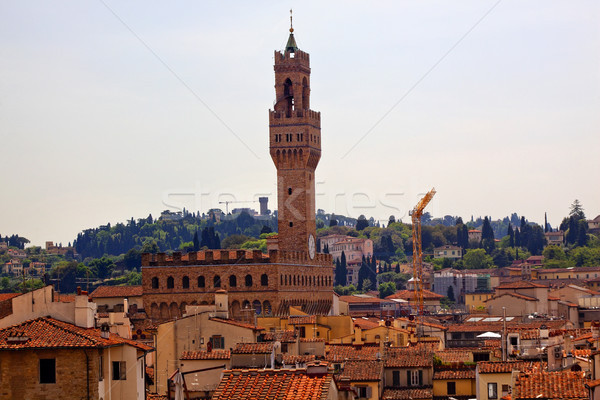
[
  {"x": 582, "y": 237},
  {"x": 133, "y": 260},
  {"x": 361, "y": 223},
  {"x": 576, "y": 210},
  {"x": 476, "y": 259},
  {"x": 196, "y": 241},
  {"x": 501, "y": 258},
  {"x": 386, "y": 289},
  {"x": 397, "y": 269},
  {"x": 450, "y": 294},
  {"x": 150, "y": 246},
  {"x": 511, "y": 236},
  {"x": 487, "y": 236},
  {"x": 554, "y": 252},
  {"x": 363, "y": 273},
  {"x": 341, "y": 270}
]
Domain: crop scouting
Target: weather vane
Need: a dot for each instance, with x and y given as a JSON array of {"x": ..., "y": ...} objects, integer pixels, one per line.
[{"x": 291, "y": 23}]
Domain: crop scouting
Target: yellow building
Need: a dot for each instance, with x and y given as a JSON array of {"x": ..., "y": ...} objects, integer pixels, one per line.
[
  {"x": 365, "y": 377},
  {"x": 454, "y": 383},
  {"x": 476, "y": 301},
  {"x": 327, "y": 327},
  {"x": 494, "y": 378}
]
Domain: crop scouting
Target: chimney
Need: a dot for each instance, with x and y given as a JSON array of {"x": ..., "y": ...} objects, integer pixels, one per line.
[
  {"x": 105, "y": 331},
  {"x": 125, "y": 305},
  {"x": 221, "y": 304}
]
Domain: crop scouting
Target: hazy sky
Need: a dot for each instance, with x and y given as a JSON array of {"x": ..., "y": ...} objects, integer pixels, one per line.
[{"x": 111, "y": 110}]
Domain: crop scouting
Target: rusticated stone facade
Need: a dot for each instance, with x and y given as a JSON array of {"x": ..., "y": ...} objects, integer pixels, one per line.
[{"x": 292, "y": 274}]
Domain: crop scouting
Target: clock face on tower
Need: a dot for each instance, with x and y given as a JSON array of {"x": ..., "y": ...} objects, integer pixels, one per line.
[{"x": 311, "y": 246}]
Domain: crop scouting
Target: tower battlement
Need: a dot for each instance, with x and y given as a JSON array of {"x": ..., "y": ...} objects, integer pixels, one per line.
[
  {"x": 297, "y": 58},
  {"x": 222, "y": 257},
  {"x": 303, "y": 116}
]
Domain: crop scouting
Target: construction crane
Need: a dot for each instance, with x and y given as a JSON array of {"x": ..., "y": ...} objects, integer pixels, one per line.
[
  {"x": 227, "y": 202},
  {"x": 417, "y": 258}
]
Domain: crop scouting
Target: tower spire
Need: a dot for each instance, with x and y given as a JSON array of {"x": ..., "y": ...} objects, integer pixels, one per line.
[{"x": 291, "y": 45}]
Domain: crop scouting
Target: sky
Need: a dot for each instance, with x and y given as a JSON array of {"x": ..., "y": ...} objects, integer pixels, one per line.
[{"x": 111, "y": 110}]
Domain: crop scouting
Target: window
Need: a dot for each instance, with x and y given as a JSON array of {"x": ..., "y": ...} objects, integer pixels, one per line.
[
  {"x": 248, "y": 280},
  {"x": 492, "y": 390},
  {"x": 217, "y": 342},
  {"x": 451, "y": 387},
  {"x": 289, "y": 190},
  {"x": 232, "y": 281},
  {"x": 284, "y": 347},
  {"x": 47, "y": 370},
  {"x": 155, "y": 283},
  {"x": 119, "y": 371},
  {"x": 170, "y": 282},
  {"x": 101, "y": 369},
  {"x": 264, "y": 280},
  {"x": 364, "y": 392},
  {"x": 302, "y": 332},
  {"x": 185, "y": 282},
  {"x": 513, "y": 340},
  {"x": 505, "y": 390},
  {"x": 414, "y": 377},
  {"x": 201, "y": 283},
  {"x": 396, "y": 378},
  {"x": 217, "y": 281}
]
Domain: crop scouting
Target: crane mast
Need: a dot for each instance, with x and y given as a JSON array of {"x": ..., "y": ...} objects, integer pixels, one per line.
[{"x": 416, "y": 215}]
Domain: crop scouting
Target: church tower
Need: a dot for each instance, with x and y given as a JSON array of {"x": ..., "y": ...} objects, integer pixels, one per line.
[{"x": 295, "y": 147}]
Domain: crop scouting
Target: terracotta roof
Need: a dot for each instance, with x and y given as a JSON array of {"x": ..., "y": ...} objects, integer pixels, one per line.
[
  {"x": 48, "y": 332},
  {"x": 64, "y": 298},
  {"x": 407, "y": 394},
  {"x": 117, "y": 291},
  {"x": 237, "y": 323},
  {"x": 455, "y": 374},
  {"x": 289, "y": 359},
  {"x": 517, "y": 295},
  {"x": 450, "y": 356},
  {"x": 360, "y": 299},
  {"x": 150, "y": 372},
  {"x": 410, "y": 295},
  {"x": 362, "y": 371},
  {"x": 253, "y": 348},
  {"x": 312, "y": 340},
  {"x": 405, "y": 357},
  {"x": 285, "y": 336},
  {"x": 341, "y": 352},
  {"x": 582, "y": 352},
  {"x": 551, "y": 385},
  {"x": 499, "y": 367},
  {"x": 270, "y": 384},
  {"x": 593, "y": 384},
  {"x": 155, "y": 396},
  {"x": 8, "y": 296},
  {"x": 365, "y": 323},
  {"x": 206, "y": 355},
  {"x": 520, "y": 285}
]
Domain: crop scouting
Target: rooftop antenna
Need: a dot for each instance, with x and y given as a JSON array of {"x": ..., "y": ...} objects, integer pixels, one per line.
[{"x": 291, "y": 22}]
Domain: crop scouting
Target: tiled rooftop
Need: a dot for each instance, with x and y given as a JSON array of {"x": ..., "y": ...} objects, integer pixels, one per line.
[
  {"x": 302, "y": 320},
  {"x": 520, "y": 284},
  {"x": 8, "y": 296},
  {"x": 404, "y": 357},
  {"x": 253, "y": 348},
  {"x": 117, "y": 291},
  {"x": 272, "y": 385},
  {"x": 289, "y": 359},
  {"x": 498, "y": 367},
  {"x": 451, "y": 356},
  {"x": 362, "y": 371},
  {"x": 50, "y": 333},
  {"x": 206, "y": 355},
  {"x": 407, "y": 394},
  {"x": 551, "y": 385},
  {"x": 341, "y": 352}
]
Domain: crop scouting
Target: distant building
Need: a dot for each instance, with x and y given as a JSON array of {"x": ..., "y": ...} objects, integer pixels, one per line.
[
  {"x": 462, "y": 283},
  {"x": 474, "y": 235},
  {"x": 447, "y": 251},
  {"x": 13, "y": 267},
  {"x": 16, "y": 253},
  {"x": 594, "y": 225},
  {"x": 555, "y": 238},
  {"x": 264, "y": 205},
  {"x": 3, "y": 245}
]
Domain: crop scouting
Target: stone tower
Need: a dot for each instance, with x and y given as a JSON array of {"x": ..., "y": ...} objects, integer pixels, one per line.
[{"x": 295, "y": 147}]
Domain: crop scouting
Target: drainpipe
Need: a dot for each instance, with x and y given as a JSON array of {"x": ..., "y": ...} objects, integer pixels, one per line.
[{"x": 87, "y": 370}]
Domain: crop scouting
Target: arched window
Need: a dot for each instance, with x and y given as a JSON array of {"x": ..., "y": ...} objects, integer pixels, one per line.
[
  {"x": 232, "y": 281},
  {"x": 155, "y": 283},
  {"x": 185, "y": 282},
  {"x": 264, "y": 280},
  {"x": 245, "y": 304},
  {"x": 281, "y": 279},
  {"x": 257, "y": 307},
  {"x": 217, "y": 281},
  {"x": 201, "y": 283},
  {"x": 248, "y": 280},
  {"x": 170, "y": 282}
]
